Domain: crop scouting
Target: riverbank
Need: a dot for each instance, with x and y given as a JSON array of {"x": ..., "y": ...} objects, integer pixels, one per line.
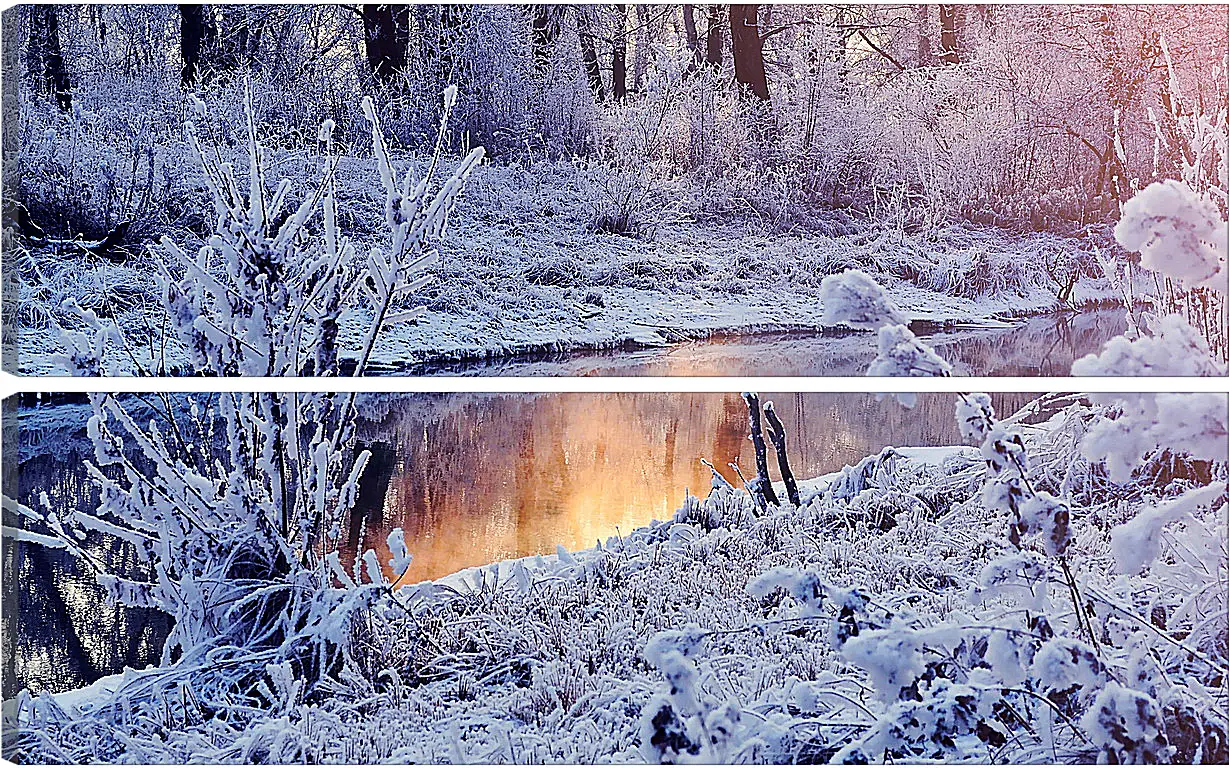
[
  {"x": 1037, "y": 345},
  {"x": 634, "y": 319},
  {"x": 514, "y": 281},
  {"x": 560, "y": 658}
]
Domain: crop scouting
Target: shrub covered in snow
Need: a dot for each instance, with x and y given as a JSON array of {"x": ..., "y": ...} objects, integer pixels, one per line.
[
  {"x": 238, "y": 513},
  {"x": 803, "y": 634},
  {"x": 854, "y": 299},
  {"x": 1177, "y": 233}
]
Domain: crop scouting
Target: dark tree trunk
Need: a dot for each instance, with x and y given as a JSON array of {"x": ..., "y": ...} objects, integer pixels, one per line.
[
  {"x": 618, "y": 64},
  {"x": 194, "y": 34},
  {"x": 47, "y": 56},
  {"x": 1121, "y": 88},
  {"x": 776, "y": 433},
  {"x": 588, "y": 55},
  {"x": 748, "y": 49},
  {"x": 100, "y": 25},
  {"x": 714, "y": 41},
  {"x": 386, "y": 37},
  {"x": 925, "y": 49},
  {"x": 644, "y": 39},
  {"x": 693, "y": 36},
  {"x": 948, "y": 35},
  {"x": 762, "y": 484},
  {"x": 239, "y": 36}
]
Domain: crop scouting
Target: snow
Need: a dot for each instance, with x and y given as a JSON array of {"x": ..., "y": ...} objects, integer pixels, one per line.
[
  {"x": 1177, "y": 233},
  {"x": 1136, "y": 543},
  {"x": 1197, "y": 421},
  {"x": 853, "y": 298},
  {"x": 83, "y": 700},
  {"x": 1174, "y": 348},
  {"x": 1127, "y": 726},
  {"x": 1063, "y": 663},
  {"x": 932, "y": 455},
  {"x": 903, "y": 354},
  {"x": 891, "y": 657},
  {"x": 509, "y": 283},
  {"x": 975, "y": 417},
  {"x": 401, "y": 557},
  {"x": 691, "y": 639}
]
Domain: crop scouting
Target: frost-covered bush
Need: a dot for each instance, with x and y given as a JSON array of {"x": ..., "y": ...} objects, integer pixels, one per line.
[
  {"x": 1043, "y": 643},
  {"x": 1070, "y": 661},
  {"x": 853, "y": 298},
  {"x": 88, "y": 170},
  {"x": 239, "y": 514},
  {"x": 1182, "y": 236},
  {"x": 265, "y": 294},
  {"x": 623, "y": 198},
  {"x": 1056, "y": 662},
  {"x": 1180, "y": 232},
  {"x": 1177, "y": 233}
]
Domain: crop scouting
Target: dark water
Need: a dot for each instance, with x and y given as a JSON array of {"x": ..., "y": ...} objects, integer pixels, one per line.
[
  {"x": 1037, "y": 346},
  {"x": 471, "y": 478}
]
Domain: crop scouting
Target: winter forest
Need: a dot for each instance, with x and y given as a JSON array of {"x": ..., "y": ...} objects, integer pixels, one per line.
[
  {"x": 880, "y": 190},
  {"x": 625, "y": 188}
]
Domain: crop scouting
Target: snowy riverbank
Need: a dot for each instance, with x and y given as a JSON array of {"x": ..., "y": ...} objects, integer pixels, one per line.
[
  {"x": 640, "y": 318},
  {"x": 561, "y": 658},
  {"x": 505, "y": 290}
]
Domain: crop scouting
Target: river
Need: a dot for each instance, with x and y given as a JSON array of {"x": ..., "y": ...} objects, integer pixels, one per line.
[
  {"x": 1042, "y": 345},
  {"x": 470, "y": 478}
]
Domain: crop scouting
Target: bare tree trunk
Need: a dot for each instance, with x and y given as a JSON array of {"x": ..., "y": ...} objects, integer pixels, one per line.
[
  {"x": 618, "y": 64},
  {"x": 714, "y": 41},
  {"x": 1120, "y": 89},
  {"x": 194, "y": 33},
  {"x": 588, "y": 53},
  {"x": 948, "y": 35},
  {"x": 748, "y": 49},
  {"x": 776, "y": 433},
  {"x": 386, "y": 38},
  {"x": 693, "y": 36},
  {"x": 640, "y": 64},
  {"x": 239, "y": 36},
  {"x": 47, "y": 57},
  {"x": 762, "y": 484},
  {"x": 100, "y": 28},
  {"x": 925, "y": 48}
]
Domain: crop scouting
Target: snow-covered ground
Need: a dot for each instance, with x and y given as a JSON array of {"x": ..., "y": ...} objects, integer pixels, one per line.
[
  {"x": 576, "y": 657},
  {"x": 523, "y": 271}
]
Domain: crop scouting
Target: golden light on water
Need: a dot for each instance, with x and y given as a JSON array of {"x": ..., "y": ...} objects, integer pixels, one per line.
[{"x": 472, "y": 479}]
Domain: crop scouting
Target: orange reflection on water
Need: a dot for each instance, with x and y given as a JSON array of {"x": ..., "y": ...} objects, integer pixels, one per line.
[{"x": 472, "y": 479}]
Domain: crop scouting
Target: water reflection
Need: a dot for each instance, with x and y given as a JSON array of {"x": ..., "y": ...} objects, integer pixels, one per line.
[
  {"x": 66, "y": 634},
  {"x": 1036, "y": 346},
  {"x": 471, "y": 478},
  {"x": 477, "y": 478}
]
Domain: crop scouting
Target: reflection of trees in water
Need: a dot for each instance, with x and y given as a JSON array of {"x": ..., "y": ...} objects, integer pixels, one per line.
[
  {"x": 1044, "y": 346},
  {"x": 471, "y": 479},
  {"x": 64, "y": 634},
  {"x": 486, "y": 477}
]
